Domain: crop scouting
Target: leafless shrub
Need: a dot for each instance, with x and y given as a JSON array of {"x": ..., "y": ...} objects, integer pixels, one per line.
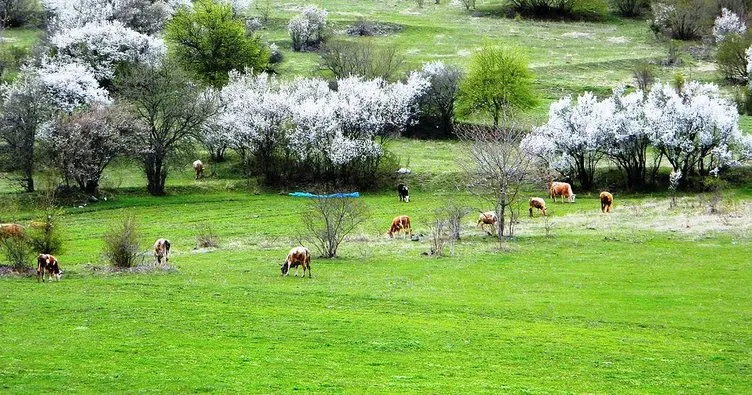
[
  {"x": 45, "y": 234},
  {"x": 548, "y": 226},
  {"x": 361, "y": 58},
  {"x": 121, "y": 243},
  {"x": 17, "y": 252},
  {"x": 206, "y": 236},
  {"x": 644, "y": 76},
  {"x": 440, "y": 236},
  {"x": 327, "y": 221}
]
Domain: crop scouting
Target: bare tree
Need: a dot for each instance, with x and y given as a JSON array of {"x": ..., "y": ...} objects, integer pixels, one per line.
[
  {"x": 328, "y": 220},
  {"x": 170, "y": 110},
  {"x": 497, "y": 169}
]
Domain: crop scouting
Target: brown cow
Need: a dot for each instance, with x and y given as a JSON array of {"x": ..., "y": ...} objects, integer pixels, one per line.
[
  {"x": 607, "y": 199},
  {"x": 11, "y": 230},
  {"x": 562, "y": 189},
  {"x": 298, "y": 256},
  {"x": 539, "y": 203},
  {"x": 198, "y": 166},
  {"x": 487, "y": 218},
  {"x": 400, "y": 223},
  {"x": 162, "y": 250},
  {"x": 48, "y": 263}
]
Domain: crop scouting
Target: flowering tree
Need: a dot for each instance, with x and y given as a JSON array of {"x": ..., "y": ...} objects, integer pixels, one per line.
[
  {"x": 103, "y": 46},
  {"x": 574, "y": 133},
  {"x": 169, "y": 110},
  {"x": 307, "y": 28},
  {"x": 305, "y": 124},
  {"x": 727, "y": 23},
  {"x": 143, "y": 16},
  {"x": 694, "y": 128},
  {"x": 82, "y": 144}
]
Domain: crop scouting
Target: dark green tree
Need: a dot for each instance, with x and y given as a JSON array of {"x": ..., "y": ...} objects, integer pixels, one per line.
[
  {"x": 210, "y": 40},
  {"x": 498, "y": 83}
]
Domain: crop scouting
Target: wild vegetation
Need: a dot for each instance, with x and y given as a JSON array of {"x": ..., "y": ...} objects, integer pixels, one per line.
[{"x": 102, "y": 120}]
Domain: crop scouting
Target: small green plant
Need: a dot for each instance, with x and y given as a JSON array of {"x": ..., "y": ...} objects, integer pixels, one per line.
[
  {"x": 121, "y": 247},
  {"x": 644, "y": 75},
  {"x": 17, "y": 252}
]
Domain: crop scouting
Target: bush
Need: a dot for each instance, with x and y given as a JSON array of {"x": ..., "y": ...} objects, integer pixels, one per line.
[
  {"x": 644, "y": 76},
  {"x": 683, "y": 19},
  {"x": 17, "y": 252},
  {"x": 206, "y": 236},
  {"x": 307, "y": 28},
  {"x": 121, "y": 243},
  {"x": 731, "y": 58},
  {"x": 543, "y": 8},
  {"x": 743, "y": 100},
  {"x": 45, "y": 236},
  {"x": 361, "y": 58},
  {"x": 17, "y": 13},
  {"x": 328, "y": 221},
  {"x": 629, "y": 8}
]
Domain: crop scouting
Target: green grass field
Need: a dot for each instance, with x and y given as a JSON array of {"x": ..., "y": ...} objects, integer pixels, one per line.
[{"x": 648, "y": 299}]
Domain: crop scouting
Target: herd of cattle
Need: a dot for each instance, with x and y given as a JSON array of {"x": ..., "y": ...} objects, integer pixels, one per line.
[{"x": 301, "y": 256}]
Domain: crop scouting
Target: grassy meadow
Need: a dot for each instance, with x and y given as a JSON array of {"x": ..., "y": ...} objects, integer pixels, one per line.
[{"x": 647, "y": 299}]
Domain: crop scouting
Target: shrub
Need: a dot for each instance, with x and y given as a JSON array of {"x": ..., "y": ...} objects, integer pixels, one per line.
[
  {"x": 644, "y": 76},
  {"x": 206, "y": 236},
  {"x": 361, "y": 58},
  {"x": 682, "y": 19},
  {"x": 45, "y": 235},
  {"x": 17, "y": 13},
  {"x": 731, "y": 58},
  {"x": 17, "y": 252},
  {"x": 328, "y": 221},
  {"x": 307, "y": 28},
  {"x": 628, "y": 8},
  {"x": 121, "y": 247},
  {"x": 743, "y": 100},
  {"x": 727, "y": 23}
]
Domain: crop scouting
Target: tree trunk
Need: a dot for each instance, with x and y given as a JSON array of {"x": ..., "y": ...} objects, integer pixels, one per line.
[
  {"x": 29, "y": 178},
  {"x": 156, "y": 175}
]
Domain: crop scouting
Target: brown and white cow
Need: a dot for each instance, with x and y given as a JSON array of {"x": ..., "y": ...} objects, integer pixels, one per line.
[
  {"x": 162, "y": 251},
  {"x": 607, "y": 199},
  {"x": 399, "y": 224},
  {"x": 198, "y": 166},
  {"x": 48, "y": 263},
  {"x": 11, "y": 230},
  {"x": 487, "y": 218},
  {"x": 562, "y": 189},
  {"x": 539, "y": 203},
  {"x": 298, "y": 256}
]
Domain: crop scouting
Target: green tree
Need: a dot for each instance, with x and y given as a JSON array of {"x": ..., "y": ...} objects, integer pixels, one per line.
[
  {"x": 210, "y": 40},
  {"x": 498, "y": 83}
]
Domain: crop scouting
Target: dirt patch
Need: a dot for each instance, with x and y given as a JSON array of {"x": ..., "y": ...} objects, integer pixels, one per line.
[
  {"x": 10, "y": 271},
  {"x": 138, "y": 269},
  {"x": 369, "y": 28}
]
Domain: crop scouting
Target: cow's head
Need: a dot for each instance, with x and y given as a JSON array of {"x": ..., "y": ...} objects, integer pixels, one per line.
[
  {"x": 407, "y": 198},
  {"x": 285, "y": 267},
  {"x": 571, "y": 198}
]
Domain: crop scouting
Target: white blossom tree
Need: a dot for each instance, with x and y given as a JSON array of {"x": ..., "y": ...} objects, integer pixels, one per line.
[
  {"x": 307, "y": 28},
  {"x": 727, "y": 23},
  {"x": 143, "y": 16}
]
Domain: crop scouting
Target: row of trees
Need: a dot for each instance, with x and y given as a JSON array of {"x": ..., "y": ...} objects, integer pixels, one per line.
[{"x": 692, "y": 127}]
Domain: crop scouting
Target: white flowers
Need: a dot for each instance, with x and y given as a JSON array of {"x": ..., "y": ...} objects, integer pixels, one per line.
[
  {"x": 307, "y": 27},
  {"x": 727, "y": 23},
  {"x": 308, "y": 121}
]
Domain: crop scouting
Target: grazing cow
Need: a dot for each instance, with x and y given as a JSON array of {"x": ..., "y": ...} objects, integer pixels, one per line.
[
  {"x": 562, "y": 189},
  {"x": 11, "y": 230},
  {"x": 403, "y": 193},
  {"x": 607, "y": 199},
  {"x": 198, "y": 166},
  {"x": 162, "y": 250},
  {"x": 48, "y": 263},
  {"x": 539, "y": 203},
  {"x": 400, "y": 223},
  {"x": 487, "y": 218},
  {"x": 298, "y": 256}
]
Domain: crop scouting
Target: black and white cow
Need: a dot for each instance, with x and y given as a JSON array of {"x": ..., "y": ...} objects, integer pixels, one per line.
[{"x": 403, "y": 193}]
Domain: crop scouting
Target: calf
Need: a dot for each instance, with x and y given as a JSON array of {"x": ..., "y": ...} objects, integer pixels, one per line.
[
  {"x": 11, "y": 230},
  {"x": 562, "y": 189},
  {"x": 403, "y": 193},
  {"x": 488, "y": 218},
  {"x": 162, "y": 250},
  {"x": 298, "y": 256},
  {"x": 48, "y": 263},
  {"x": 539, "y": 203},
  {"x": 607, "y": 199},
  {"x": 198, "y": 166},
  {"x": 400, "y": 223}
]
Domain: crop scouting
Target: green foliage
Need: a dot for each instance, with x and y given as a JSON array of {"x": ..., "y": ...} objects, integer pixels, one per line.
[
  {"x": 17, "y": 251},
  {"x": 46, "y": 236},
  {"x": 498, "y": 83},
  {"x": 121, "y": 243},
  {"x": 731, "y": 59},
  {"x": 629, "y": 8},
  {"x": 209, "y": 41},
  {"x": 743, "y": 100}
]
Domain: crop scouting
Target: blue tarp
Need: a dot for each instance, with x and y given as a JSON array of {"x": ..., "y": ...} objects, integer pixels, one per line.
[{"x": 333, "y": 195}]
